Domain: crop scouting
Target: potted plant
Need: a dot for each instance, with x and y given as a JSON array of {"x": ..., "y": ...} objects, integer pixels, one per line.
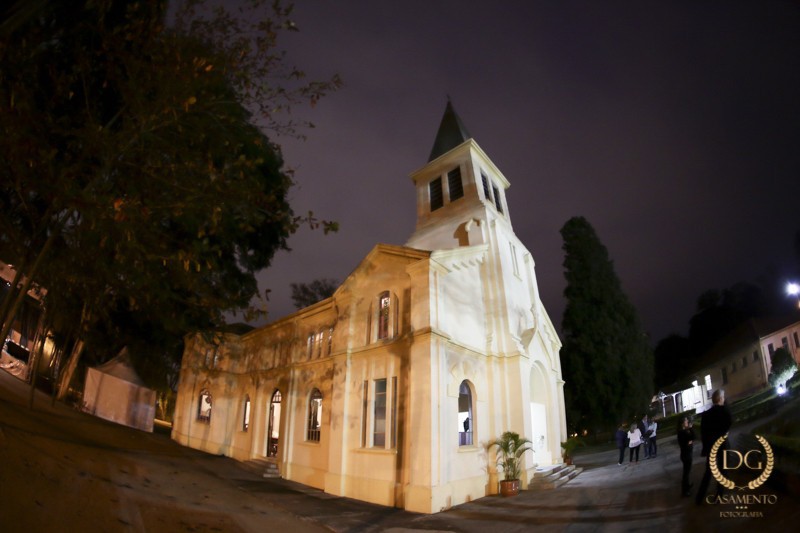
[
  {"x": 569, "y": 446},
  {"x": 510, "y": 448}
]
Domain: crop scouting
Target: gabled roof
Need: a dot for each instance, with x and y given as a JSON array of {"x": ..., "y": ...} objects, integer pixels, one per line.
[
  {"x": 122, "y": 368},
  {"x": 451, "y": 133}
]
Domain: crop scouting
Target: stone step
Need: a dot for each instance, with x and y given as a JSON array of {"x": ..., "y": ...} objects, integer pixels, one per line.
[
  {"x": 553, "y": 476},
  {"x": 263, "y": 467}
]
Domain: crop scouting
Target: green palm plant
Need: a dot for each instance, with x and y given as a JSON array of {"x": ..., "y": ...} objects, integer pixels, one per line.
[{"x": 510, "y": 447}]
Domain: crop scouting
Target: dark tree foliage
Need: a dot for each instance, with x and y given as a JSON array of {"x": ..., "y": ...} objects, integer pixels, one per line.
[
  {"x": 606, "y": 361},
  {"x": 135, "y": 186},
  {"x": 720, "y": 312},
  {"x": 305, "y": 294},
  {"x": 671, "y": 360}
]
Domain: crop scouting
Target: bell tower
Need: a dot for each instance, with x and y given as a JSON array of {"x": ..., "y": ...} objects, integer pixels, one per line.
[{"x": 459, "y": 190}]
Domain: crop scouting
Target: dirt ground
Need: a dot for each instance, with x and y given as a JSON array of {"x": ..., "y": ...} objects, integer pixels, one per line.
[{"x": 62, "y": 470}]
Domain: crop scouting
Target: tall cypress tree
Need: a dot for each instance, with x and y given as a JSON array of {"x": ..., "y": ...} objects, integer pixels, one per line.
[{"x": 606, "y": 359}]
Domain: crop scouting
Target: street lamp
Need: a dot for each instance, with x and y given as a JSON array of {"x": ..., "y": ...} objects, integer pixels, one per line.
[{"x": 793, "y": 289}]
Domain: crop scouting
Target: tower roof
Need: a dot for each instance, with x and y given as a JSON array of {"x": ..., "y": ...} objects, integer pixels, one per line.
[{"x": 451, "y": 133}]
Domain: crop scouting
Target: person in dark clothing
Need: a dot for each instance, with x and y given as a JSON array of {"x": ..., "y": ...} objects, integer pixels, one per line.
[
  {"x": 686, "y": 438},
  {"x": 643, "y": 426},
  {"x": 714, "y": 424},
  {"x": 622, "y": 441}
]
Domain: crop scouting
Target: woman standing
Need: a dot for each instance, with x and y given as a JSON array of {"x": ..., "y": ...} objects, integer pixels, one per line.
[
  {"x": 634, "y": 440},
  {"x": 622, "y": 441},
  {"x": 686, "y": 442}
]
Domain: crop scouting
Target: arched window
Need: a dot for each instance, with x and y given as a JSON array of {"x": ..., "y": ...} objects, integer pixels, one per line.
[
  {"x": 314, "y": 416},
  {"x": 246, "y": 418},
  {"x": 382, "y": 320},
  {"x": 466, "y": 420},
  {"x": 384, "y": 314},
  {"x": 204, "y": 407},
  {"x": 273, "y": 431}
]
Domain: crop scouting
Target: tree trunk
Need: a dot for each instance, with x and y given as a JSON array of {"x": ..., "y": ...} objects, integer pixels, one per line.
[
  {"x": 69, "y": 370},
  {"x": 36, "y": 355},
  {"x": 72, "y": 363}
]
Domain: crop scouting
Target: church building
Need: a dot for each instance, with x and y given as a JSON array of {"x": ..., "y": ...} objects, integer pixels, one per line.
[{"x": 390, "y": 390}]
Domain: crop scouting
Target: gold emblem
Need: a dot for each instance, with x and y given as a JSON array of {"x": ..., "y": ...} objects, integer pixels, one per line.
[{"x": 727, "y": 483}]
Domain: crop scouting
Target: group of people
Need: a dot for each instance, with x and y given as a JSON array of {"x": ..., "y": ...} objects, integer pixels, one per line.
[
  {"x": 641, "y": 435},
  {"x": 715, "y": 423}
]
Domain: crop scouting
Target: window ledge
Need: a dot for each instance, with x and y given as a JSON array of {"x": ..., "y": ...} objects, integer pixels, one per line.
[
  {"x": 468, "y": 448},
  {"x": 377, "y": 451}
]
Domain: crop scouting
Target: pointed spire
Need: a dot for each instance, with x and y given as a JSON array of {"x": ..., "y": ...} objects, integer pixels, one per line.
[{"x": 451, "y": 133}]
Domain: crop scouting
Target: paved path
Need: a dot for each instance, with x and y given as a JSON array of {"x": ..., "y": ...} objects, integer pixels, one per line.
[
  {"x": 643, "y": 496},
  {"x": 61, "y": 470}
]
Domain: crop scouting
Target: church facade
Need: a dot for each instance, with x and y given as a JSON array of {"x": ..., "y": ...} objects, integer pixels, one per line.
[{"x": 390, "y": 390}]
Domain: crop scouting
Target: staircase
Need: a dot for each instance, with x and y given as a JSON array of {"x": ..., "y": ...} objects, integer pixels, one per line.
[
  {"x": 553, "y": 476},
  {"x": 263, "y": 467}
]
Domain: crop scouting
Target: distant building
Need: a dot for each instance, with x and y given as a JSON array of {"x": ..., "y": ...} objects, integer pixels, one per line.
[
  {"x": 15, "y": 356},
  {"x": 389, "y": 390},
  {"x": 740, "y": 363}
]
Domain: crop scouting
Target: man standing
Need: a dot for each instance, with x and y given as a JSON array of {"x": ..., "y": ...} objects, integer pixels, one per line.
[
  {"x": 714, "y": 424},
  {"x": 644, "y": 426},
  {"x": 652, "y": 428}
]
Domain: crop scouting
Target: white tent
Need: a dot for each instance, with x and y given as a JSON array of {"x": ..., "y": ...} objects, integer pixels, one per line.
[{"x": 115, "y": 392}]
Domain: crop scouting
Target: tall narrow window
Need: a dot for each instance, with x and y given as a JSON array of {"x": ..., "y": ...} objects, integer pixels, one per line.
[
  {"x": 486, "y": 192},
  {"x": 796, "y": 340},
  {"x": 364, "y": 413},
  {"x": 246, "y": 417},
  {"x": 310, "y": 345},
  {"x": 755, "y": 355},
  {"x": 274, "y": 429},
  {"x": 330, "y": 340},
  {"x": 394, "y": 412},
  {"x": 498, "y": 202},
  {"x": 771, "y": 349},
  {"x": 320, "y": 338},
  {"x": 379, "y": 415},
  {"x": 437, "y": 200},
  {"x": 454, "y": 184},
  {"x": 785, "y": 343},
  {"x": 314, "y": 416},
  {"x": 466, "y": 421},
  {"x": 724, "y": 375},
  {"x": 514, "y": 259},
  {"x": 204, "y": 407},
  {"x": 384, "y": 313}
]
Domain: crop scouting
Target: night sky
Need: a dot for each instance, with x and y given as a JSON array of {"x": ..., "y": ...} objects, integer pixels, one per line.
[{"x": 673, "y": 127}]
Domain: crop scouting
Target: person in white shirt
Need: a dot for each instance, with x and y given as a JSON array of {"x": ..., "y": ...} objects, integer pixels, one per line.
[
  {"x": 651, "y": 441},
  {"x": 634, "y": 441}
]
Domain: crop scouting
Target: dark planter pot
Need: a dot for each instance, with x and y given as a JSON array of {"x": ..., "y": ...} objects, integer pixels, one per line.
[{"x": 509, "y": 487}]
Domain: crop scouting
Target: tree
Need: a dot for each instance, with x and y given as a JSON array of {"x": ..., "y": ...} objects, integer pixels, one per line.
[
  {"x": 305, "y": 294},
  {"x": 783, "y": 367},
  {"x": 606, "y": 360},
  {"x": 135, "y": 183},
  {"x": 671, "y": 360}
]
